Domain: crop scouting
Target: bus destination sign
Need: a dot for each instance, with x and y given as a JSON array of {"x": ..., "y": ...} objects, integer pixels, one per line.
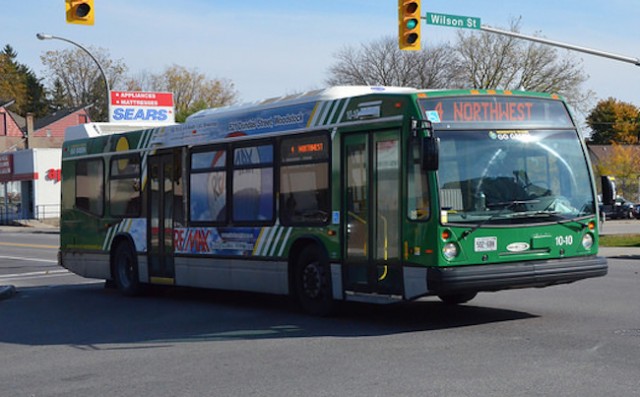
[
  {"x": 496, "y": 110},
  {"x": 305, "y": 148}
]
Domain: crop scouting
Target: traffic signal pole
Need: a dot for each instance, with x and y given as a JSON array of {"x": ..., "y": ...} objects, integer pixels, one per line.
[{"x": 604, "y": 54}]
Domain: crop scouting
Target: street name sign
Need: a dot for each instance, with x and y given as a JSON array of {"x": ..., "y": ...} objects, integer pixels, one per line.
[{"x": 452, "y": 21}]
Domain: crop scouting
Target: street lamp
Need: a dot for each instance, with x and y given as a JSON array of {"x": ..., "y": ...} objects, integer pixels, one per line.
[{"x": 42, "y": 36}]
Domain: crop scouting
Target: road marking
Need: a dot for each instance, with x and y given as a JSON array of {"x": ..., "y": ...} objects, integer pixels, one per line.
[
  {"x": 29, "y": 245},
  {"x": 40, "y": 274},
  {"x": 20, "y": 258}
]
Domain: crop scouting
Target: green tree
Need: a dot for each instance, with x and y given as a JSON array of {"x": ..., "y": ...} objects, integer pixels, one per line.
[
  {"x": 58, "y": 96},
  {"x": 13, "y": 84},
  {"x": 623, "y": 162},
  {"x": 25, "y": 87},
  {"x": 612, "y": 121}
]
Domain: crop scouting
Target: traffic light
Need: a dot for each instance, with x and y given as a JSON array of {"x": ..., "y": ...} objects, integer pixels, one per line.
[
  {"x": 409, "y": 24},
  {"x": 80, "y": 11}
]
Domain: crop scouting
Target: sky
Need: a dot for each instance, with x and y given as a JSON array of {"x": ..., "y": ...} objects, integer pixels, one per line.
[{"x": 279, "y": 47}]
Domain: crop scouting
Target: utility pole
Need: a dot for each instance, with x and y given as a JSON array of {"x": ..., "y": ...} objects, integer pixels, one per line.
[{"x": 29, "y": 132}]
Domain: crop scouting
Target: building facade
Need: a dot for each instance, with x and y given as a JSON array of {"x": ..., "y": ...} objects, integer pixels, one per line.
[
  {"x": 30, "y": 162},
  {"x": 29, "y": 184}
]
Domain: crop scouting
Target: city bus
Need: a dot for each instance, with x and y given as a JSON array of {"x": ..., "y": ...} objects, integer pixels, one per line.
[{"x": 369, "y": 194}]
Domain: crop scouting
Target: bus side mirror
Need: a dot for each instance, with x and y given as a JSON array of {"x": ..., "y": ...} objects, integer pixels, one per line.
[
  {"x": 608, "y": 190},
  {"x": 430, "y": 156},
  {"x": 429, "y": 144}
]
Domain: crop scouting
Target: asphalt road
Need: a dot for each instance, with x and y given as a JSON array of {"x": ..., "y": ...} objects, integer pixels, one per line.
[
  {"x": 626, "y": 226},
  {"x": 60, "y": 337}
]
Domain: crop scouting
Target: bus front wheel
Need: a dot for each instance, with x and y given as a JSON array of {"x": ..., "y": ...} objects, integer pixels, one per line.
[
  {"x": 125, "y": 270},
  {"x": 313, "y": 281}
]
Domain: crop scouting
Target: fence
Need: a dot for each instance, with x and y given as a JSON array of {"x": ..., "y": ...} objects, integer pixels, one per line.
[{"x": 14, "y": 212}]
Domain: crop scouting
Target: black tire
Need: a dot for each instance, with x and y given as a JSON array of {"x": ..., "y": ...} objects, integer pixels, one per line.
[
  {"x": 125, "y": 270},
  {"x": 313, "y": 282},
  {"x": 457, "y": 299}
]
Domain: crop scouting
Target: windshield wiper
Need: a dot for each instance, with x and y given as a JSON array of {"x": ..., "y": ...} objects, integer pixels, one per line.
[
  {"x": 507, "y": 206},
  {"x": 548, "y": 214},
  {"x": 533, "y": 214}
]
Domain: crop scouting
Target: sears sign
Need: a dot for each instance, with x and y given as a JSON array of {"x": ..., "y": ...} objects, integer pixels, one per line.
[{"x": 141, "y": 107}]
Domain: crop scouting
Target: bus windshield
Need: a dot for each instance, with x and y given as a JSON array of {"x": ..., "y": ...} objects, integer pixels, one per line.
[{"x": 513, "y": 177}]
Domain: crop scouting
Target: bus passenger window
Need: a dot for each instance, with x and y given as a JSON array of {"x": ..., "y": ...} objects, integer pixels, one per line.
[
  {"x": 304, "y": 180},
  {"x": 90, "y": 186},
  {"x": 304, "y": 193},
  {"x": 208, "y": 187},
  {"x": 124, "y": 186},
  {"x": 253, "y": 191}
]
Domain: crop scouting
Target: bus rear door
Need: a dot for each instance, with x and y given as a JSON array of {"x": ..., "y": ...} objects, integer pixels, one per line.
[{"x": 165, "y": 206}]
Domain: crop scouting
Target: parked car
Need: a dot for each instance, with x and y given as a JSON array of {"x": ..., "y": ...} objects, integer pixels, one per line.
[
  {"x": 621, "y": 209},
  {"x": 636, "y": 210}
]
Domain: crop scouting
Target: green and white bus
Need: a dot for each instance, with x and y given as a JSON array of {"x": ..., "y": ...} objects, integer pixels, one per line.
[{"x": 373, "y": 194}]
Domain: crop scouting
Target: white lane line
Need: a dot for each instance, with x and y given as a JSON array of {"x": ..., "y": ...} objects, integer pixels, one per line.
[
  {"x": 41, "y": 274},
  {"x": 20, "y": 258}
]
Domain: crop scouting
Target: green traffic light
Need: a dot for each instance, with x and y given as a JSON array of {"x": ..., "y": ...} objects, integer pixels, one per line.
[{"x": 412, "y": 23}]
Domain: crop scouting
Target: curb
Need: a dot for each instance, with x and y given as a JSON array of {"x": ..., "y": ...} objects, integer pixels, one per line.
[
  {"x": 7, "y": 291},
  {"x": 9, "y": 229}
]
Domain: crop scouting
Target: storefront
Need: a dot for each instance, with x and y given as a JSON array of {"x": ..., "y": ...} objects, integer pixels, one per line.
[{"x": 30, "y": 184}]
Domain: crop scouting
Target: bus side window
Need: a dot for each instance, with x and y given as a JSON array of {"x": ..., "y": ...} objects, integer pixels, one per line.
[
  {"x": 252, "y": 181},
  {"x": 124, "y": 186},
  {"x": 304, "y": 193},
  {"x": 304, "y": 180},
  {"x": 208, "y": 186},
  {"x": 90, "y": 186}
]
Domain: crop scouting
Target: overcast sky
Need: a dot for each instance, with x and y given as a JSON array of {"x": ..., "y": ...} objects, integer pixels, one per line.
[{"x": 276, "y": 47}]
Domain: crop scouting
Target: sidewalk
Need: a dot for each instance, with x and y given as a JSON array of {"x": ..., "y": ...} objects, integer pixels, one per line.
[
  {"x": 30, "y": 226},
  {"x": 620, "y": 252}
]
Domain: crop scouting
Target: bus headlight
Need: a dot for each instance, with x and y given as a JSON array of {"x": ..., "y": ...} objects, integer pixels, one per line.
[
  {"x": 587, "y": 241},
  {"x": 450, "y": 251}
]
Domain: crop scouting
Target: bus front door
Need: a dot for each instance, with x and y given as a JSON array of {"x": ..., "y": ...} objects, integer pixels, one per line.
[
  {"x": 371, "y": 188},
  {"x": 165, "y": 187}
]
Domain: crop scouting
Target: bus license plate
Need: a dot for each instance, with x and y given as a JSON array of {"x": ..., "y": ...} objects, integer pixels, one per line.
[{"x": 483, "y": 244}]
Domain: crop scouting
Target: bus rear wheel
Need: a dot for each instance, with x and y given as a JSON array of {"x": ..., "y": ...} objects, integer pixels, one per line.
[
  {"x": 313, "y": 281},
  {"x": 125, "y": 270},
  {"x": 457, "y": 299}
]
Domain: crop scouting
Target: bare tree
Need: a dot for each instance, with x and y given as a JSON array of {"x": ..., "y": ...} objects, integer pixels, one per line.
[
  {"x": 488, "y": 60},
  {"x": 476, "y": 60},
  {"x": 80, "y": 77},
  {"x": 383, "y": 63},
  {"x": 192, "y": 90}
]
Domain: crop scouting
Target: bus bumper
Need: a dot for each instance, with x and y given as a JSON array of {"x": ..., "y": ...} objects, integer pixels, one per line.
[{"x": 498, "y": 277}]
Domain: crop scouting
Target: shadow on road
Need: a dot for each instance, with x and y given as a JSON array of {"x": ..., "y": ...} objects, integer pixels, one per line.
[{"x": 90, "y": 317}]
